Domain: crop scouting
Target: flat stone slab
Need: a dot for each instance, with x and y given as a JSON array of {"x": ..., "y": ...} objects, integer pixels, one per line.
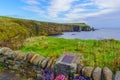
[
  {"x": 67, "y": 63},
  {"x": 67, "y": 58}
]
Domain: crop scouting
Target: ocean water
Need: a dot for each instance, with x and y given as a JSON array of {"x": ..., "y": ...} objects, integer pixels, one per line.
[{"x": 97, "y": 34}]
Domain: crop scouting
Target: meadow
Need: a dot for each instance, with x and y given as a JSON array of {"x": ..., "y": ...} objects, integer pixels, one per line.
[{"x": 95, "y": 52}]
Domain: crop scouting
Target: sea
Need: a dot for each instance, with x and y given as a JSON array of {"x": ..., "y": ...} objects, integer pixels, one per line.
[{"x": 98, "y": 34}]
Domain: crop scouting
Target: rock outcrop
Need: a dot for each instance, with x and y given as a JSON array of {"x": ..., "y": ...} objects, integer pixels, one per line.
[
  {"x": 97, "y": 73},
  {"x": 107, "y": 73},
  {"x": 87, "y": 71}
]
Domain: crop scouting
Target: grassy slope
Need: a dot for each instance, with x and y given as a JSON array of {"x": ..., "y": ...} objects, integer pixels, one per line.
[
  {"x": 14, "y": 30},
  {"x": 36, "y": 28},
  {"x": 101, "y": 52}
]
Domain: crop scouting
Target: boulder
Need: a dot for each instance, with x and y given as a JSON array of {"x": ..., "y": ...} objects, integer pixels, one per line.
[
  {"x": 77, "y": 59},
  {"x": 79, "y": 69},
  {"x": 36, "y": 60},
  {"x": 39, "y": 77},
  {"x": 107, "y": 73},
  {"x": 41, "y": 60},
  {"x": 5, "y": 50},
  {"x": 33, "y": 58},
  {"x": 97, "y": 73},
  {"x": 2, "y": 60},
  {"x": 53, "y": 64},
  {"x": 28, "y": 56},
  {"x": 18, "y": 55},
  {"x": 16, "y": 67},
  {"x": 44, "y": 63},
  {"x": 87, "y": 71},
  {"x": 117, "y": 75},
  {"x": 10, "y": 62},
  {"x": 50, "y": 62},
  {"x": 10, "y": 55}
]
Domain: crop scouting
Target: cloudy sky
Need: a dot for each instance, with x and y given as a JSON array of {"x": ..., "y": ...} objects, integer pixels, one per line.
[{"x": 97, "y": 13}]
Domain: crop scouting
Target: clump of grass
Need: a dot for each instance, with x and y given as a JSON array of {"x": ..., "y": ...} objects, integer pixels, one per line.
[
  {"x": 95, "y": 52},
  {"x": 1, "y": 67}
]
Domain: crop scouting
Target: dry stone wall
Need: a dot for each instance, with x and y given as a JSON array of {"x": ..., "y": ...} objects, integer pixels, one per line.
[{"x": 32, "y": 65}]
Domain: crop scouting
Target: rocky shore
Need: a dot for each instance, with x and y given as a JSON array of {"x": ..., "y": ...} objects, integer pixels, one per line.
[{"x": 31, "y": 67}]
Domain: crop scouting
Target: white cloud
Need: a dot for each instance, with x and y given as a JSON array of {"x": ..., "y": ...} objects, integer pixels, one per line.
[
  {"x": 33, "y": 9},
  {"x": 59, "y": 6},
  {"x": 72, "y": 10},
  {"x": 108, "y": 4},
  {"x": 31, "y": 2}
]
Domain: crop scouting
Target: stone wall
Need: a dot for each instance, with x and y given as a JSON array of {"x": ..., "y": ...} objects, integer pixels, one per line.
[{"x": 31, "y": 65}]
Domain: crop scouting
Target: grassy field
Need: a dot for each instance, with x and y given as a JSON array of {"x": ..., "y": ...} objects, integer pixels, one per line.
[{"x": 95, "y": 52}]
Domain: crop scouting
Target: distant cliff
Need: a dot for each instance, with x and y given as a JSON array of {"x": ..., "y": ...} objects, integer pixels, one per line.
[{"x": 15, "y": 29}]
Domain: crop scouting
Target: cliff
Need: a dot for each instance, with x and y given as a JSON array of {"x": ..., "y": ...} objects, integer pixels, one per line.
[{"x": 16, "y": 30}]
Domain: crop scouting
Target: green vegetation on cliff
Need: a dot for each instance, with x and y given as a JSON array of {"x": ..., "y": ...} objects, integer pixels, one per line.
[
  {"x": 14, "y": 30},
  {"x": 95, "y": 52}
]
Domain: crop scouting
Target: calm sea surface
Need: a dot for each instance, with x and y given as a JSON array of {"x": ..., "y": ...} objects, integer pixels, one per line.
[{"x": 98, "y": 34}]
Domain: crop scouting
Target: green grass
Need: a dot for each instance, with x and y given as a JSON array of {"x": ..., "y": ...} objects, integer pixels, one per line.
[
  {"x": 14, "y": 30},
  {"x": 95, "y": 52}
]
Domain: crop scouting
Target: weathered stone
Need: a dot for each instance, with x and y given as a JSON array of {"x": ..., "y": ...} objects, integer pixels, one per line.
[
  {"x": 79, "y": 69},
  {"x": 77, "y": 59},
  {"x": 97, "y": 74},
  {"x": 52, "y": 65},
  {"x": 87, "y": 71},
  {"x": 41, "y": 60},
  {"x": 30, "y": 79},
  {"x": 107, "y": 73},
  {"x": 10, "y": 55},
  {"x": 2, "y": 60},
  {"x": 0, "y": 50},
  {"x": 32, "y": 59},
  {"x": 117, "y": 75},
  {"x": 73, "y": 67},
  {"x": 39, "y": 77},
  {"x": 18, "y": 55},
  {"x": 28, "y": 56},
  {"x": 65, "y": 64},
  {"x": 36, "y": 60},
  {"x": 38, "y": 71},
  {"x": 44, "y": 63},
  {"x": 15, "y": 54},
  {"x": 6, "y": 51},
  {"x": 50, "y": 62},
  {"x": 10, "y": 62}
]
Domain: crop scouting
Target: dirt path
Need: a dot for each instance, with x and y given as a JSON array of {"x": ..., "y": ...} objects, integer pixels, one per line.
[{"x": 10, "y": 75}]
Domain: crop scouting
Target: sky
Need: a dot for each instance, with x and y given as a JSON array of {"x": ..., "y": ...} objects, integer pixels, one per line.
[{"x": 96, "y": 13}]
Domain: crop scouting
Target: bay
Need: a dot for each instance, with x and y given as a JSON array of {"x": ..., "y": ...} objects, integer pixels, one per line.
[{"x": 94, "y": 35}]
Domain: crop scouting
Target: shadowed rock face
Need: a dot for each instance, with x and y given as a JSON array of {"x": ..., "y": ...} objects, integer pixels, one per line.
[{"x": 76, "y": 28}]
